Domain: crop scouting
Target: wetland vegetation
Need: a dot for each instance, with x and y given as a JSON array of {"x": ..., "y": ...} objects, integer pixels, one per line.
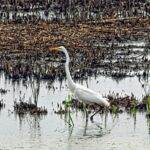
[{"x": 109, "y": 46}]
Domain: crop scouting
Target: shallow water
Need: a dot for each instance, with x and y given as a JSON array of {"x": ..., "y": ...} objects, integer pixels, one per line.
[{"x": 52, "y": 131}]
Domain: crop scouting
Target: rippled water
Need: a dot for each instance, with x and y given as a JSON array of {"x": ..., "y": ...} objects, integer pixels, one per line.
[{"x": 52, "y": 131}]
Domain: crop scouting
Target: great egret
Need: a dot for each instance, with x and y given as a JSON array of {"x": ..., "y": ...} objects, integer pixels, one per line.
[{"x": 80, "y": 92}]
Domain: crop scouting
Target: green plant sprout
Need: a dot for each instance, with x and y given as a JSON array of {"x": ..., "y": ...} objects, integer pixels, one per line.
[
  {"x": 114, "y": 109},
  {"x": 68, "y": 103},
  {"x": 133, "y": 108},
  {"x": 148, "y": 104}
]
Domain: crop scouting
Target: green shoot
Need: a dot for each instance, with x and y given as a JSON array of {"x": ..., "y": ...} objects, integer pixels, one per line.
[
  {"x": 68, "y": 101},
  {"x": 114, "y": 109},
  {"x": 133, "y": 108},
  {"x": 148, "y": 105}
]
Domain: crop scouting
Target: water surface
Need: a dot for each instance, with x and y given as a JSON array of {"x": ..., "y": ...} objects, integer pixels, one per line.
[{"x": 125, "y": 131}]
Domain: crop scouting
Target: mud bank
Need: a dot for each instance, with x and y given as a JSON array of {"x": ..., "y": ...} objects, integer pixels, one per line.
[{"x": 94, "y": 49}]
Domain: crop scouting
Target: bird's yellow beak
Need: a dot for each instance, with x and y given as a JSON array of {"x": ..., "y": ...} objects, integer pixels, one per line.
[{"x": 55, "y": 49}]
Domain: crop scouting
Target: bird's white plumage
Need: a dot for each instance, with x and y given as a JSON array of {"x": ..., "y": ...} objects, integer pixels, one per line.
[
  {"x": 89, "y": 96},
  {"x": 82, "y": 93}
]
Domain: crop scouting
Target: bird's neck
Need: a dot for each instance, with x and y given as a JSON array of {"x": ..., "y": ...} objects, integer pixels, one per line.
[{"x": 71, "y": 84}]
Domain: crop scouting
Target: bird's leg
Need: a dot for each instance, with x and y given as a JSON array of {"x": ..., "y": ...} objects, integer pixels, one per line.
[
  {"x": 86, "y": 112},
  {"x": 85, "y": 128},
  {"x": 91, "y": 118}
]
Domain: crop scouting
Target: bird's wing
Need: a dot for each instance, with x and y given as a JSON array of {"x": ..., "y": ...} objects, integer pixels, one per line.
[{"x": 87, "y": 95}]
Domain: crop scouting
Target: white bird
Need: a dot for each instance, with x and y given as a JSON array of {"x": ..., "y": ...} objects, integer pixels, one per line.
[{"x": 80, "y": 92}]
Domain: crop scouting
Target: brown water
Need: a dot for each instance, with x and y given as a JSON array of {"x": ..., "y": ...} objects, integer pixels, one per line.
[{"x": 108, "y": 132}]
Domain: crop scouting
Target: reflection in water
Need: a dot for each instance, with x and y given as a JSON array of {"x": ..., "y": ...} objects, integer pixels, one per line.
[
  {"x": 103, "y": 125},
  {"x": 70, "y": 131},
  {"x": 30, "y": 129},
  {"x": 119, "y": 127},
  {"x": 35, "y": 86},
  {"x": 32, "y": 122},
  {"x": 99, "y": 133},
  {"x": 134, "y": 117},
  {"x": 54, "y": 132},
  {"x": 148, "y": 124}
]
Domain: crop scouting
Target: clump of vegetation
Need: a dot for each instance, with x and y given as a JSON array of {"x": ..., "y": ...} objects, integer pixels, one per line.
[
  {"x": 94, "y": 44},
  {"x": 68, "y": 103},
  {"x": 148, "y": 106},
  {"x": 118, "y": 104},
  {"x": 22, "y": 107},
  {"x": 60, "y": 111},
  {"x": 3, "y": 91},
  {"x": 71, "y": 10}
]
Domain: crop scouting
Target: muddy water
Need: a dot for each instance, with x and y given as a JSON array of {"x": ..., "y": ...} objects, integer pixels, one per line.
[{"x": 52, "y": 131}]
